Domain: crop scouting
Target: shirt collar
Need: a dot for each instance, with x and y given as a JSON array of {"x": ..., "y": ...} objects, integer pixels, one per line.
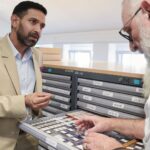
[{"x": 27, "y": 55}]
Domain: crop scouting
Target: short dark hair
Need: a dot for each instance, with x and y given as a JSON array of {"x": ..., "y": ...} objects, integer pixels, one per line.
[{"x": 21, "y": 9}]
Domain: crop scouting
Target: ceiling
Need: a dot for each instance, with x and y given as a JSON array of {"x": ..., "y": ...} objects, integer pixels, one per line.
[{"x": 66, "y": 16}]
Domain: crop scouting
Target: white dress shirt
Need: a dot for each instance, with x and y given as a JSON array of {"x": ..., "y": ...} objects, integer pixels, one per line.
[
  {"x": 25, "y": 70},
  {"x": 26, "y": 73}
]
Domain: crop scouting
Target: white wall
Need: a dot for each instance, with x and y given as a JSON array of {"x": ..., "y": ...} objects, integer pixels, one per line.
[
  {"x": 100, "y": 51},
  {"x": 100, "y": 40},
  {"x": 4, "y": 23},
  {"x": 82, "y": 37}
]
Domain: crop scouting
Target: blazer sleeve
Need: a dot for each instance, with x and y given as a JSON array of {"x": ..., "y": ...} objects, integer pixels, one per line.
[
  {"x": 38, "y": 84},
  {"x": 12, "y": 107}
]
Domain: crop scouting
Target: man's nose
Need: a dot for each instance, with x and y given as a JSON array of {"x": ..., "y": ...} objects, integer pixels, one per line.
[
  {"x": 134, "y": 46},
  {"x": 38, "y": 29}
]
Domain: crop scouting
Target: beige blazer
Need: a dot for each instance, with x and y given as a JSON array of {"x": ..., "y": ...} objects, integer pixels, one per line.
[{"x": 12, "y": 105}]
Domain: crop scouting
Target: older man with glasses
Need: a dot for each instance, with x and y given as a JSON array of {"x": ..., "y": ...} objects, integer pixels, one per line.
[{"x": 136, "y": 20}]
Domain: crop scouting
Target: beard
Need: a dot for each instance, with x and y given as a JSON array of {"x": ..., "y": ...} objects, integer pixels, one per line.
[
  {"x": 145, "y": 45},
  {"x": 28, "y": 40}
]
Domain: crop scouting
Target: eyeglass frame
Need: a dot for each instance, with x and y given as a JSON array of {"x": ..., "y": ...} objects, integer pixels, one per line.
[{"x": 128, "y": 37}]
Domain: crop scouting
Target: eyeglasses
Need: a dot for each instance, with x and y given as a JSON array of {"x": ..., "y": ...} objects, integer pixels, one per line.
[{"x": 125, "y": 34}]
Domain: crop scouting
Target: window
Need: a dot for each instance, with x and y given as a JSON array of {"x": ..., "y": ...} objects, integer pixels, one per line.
[
  {"x": 120, "y": 53},
  {"x": 82, "y": 53}
]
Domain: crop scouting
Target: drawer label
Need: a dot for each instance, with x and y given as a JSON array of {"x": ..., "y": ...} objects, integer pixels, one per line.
[
  {"x": 118, "y": 105},
  {"x": 89, "y": 98},
  {"x": 138, "y": 100},
  {"x": 86, "y": 89},
  {"x": 113, "y": 113},
  {"x": 107, "y": 93},
  {"x": 98, "y": 83}
]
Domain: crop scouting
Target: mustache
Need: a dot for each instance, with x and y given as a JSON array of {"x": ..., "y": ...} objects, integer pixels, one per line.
[{"x": 34, "y": 35}]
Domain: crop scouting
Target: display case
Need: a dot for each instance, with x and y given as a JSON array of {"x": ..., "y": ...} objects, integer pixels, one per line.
[{"x": 97, "y": 89}]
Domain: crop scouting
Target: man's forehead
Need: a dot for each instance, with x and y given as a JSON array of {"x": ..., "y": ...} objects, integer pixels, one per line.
[
  {"x": 33, "y": 13},
  {"x": 126, "y": 15},
  {"x": 126, "y": 11}
]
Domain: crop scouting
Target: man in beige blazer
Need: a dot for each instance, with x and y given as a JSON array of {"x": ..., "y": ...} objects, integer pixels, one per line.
[{"x": 20, "y": 77}]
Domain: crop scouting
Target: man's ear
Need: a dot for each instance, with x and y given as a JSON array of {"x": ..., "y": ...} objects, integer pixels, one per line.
[
  {"x": 145, "y": 5},
  {"x": 14, "y": 21}
]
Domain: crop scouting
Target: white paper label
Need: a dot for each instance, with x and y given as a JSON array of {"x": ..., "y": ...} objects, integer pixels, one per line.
[
  {"x": 107, "y": 93},
  {"x": 98, "y": 83},
  {"x": 113, "y": 113},
  {"x": 86, "y": 89},
  {"x": 118, "y": 105},
  {"x": 89, "y": 98},
  {"x": 92, "y": 107},
  {"x": 138, "y": 100},
  {"x": 139, "y": 90},
  {"x": 51, "y": 142}
]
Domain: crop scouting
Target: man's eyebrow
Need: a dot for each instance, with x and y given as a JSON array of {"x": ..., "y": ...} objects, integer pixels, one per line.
[{"x": 34, "y": 18}]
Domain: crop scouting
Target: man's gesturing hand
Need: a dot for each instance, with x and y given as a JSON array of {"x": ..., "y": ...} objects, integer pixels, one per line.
[{"x": 38, "y": 100}]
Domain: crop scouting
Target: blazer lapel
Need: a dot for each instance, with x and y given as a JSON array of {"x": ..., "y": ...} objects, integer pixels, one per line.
[
  {"x": 38, "y": 81},
  {"x": 10, "y": 64}
]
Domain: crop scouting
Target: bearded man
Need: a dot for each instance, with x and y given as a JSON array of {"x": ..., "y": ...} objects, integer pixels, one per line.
[
  {"x": 20, "y": 76},
  {"x": 136, "y": 29}
]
